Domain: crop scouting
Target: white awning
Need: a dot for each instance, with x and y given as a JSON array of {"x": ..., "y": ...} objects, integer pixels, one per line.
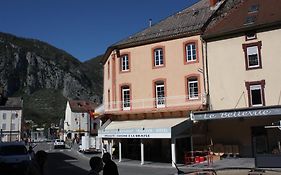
[{"x": 150, "y": 128}]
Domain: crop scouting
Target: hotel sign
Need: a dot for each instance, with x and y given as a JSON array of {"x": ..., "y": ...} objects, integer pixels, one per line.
[
  {"x": 136, "y": 133},
  {"x": 236, "y": 114}
]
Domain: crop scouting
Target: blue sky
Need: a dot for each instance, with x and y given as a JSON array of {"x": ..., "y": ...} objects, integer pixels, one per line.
[{"x": 83, "y": 28}]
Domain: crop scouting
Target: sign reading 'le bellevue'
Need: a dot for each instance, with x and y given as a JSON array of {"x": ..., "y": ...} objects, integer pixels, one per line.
[{"x": 237, "y": 114}]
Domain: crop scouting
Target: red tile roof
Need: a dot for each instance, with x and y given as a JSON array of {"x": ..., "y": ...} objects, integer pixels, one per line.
[
  {"x": 264, "y": 13},
  {"x": 82, "y": 106}
]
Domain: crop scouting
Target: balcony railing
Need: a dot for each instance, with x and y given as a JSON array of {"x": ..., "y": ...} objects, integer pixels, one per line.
[{"x": 161, "y": 102}]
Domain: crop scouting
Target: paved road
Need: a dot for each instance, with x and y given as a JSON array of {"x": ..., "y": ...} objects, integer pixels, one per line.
[{"x": 70, "y": 162}]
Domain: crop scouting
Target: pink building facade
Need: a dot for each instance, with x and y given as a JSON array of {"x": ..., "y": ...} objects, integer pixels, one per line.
[{"x": 152, "y": 81}]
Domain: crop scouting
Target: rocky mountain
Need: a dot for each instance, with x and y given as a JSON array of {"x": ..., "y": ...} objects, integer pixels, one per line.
[{"x": 46, "y": 77}]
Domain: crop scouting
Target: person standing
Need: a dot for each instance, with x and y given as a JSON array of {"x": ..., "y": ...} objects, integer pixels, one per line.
[
  {"x": 36, "y": 166},
  {"x": 110, "y": 167},
  {"x": 210, "y": 156},
  {"x": 31, "y": 152},
  {"x": 96, "y": 165}
]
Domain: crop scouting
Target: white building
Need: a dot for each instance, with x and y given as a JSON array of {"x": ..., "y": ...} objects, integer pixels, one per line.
[
  {"x": 79, "y": 119},
  {"x": 10, "y": 118}
]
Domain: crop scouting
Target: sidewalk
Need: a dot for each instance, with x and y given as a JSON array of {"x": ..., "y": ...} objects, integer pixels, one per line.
[{"x": 228, "y": 166}]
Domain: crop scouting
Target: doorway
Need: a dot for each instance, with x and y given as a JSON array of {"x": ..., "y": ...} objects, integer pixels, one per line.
[{"x": 259, "y": 140}]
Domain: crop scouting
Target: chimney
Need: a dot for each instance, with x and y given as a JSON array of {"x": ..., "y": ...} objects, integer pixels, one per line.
[{"x": 213, "y": 2}]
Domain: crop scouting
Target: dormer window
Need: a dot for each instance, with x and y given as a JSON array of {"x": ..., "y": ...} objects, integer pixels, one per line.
[
  {"x": 250, "y": 20},
  {"x": 251, "y": 36},
  {"x": 253, "y": 8}
]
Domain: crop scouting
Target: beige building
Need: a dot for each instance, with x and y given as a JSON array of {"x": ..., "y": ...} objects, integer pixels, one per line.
[
  {"x": 152, "y": 80},
  {"x": 244, "y": 87}
]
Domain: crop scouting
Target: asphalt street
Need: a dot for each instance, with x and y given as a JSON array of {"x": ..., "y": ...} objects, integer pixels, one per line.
[{"x": 71, "y": 162}]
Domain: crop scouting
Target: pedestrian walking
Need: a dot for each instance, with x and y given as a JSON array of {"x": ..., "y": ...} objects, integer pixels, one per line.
[
  {"x": 31, "y": 152},
  {"x": 96, "y": 165},
  {"x": 110, "y": 167},
  {"x": 36, "y": 166}
]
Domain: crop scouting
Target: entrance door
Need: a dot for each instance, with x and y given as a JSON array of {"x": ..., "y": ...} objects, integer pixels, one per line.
[
  {"x": 182, "y": 145},
  {"x": 259, "y": 140}
]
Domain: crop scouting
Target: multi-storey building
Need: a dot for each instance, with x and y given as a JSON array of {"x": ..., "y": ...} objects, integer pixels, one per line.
[
  {"x": 243, "y": 67},
  {"x": 10, "y": 118},
  {"x": 152, "y": 80},
  {"x": 79, "y": 119}
]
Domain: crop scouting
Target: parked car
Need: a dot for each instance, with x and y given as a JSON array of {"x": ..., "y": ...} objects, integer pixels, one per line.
[
  {"x": 58, "y": 143},
  {"x": 13, "y": 156}
]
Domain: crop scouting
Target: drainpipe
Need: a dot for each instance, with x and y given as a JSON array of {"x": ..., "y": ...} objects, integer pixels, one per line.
[{"x": 205, "y": 71}]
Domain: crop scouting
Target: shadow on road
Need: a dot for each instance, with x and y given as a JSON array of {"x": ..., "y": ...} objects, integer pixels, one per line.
[{"x": 61, "y": 164}]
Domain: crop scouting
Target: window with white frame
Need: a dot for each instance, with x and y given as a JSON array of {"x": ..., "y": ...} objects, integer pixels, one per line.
[
  {"x": 126, "y": 100},
  {"x": 256, "y": 95},
  {"x": 193, "y": 90},
  {"x": 158, "y": 57},
  {"x": 160, "y": 94},
  {"x": 190, "y": 50},
  {"x": 4, "y": 116},
  {"x": 252, "y": 55},
  {"x": 4, "y": 126},
  {"x": 125, "y": 63}
]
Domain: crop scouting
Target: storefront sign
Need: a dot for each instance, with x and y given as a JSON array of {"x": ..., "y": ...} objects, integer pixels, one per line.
[
  {"x": 136, "y": 133},
  {"x": 237, "y": 114}
]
